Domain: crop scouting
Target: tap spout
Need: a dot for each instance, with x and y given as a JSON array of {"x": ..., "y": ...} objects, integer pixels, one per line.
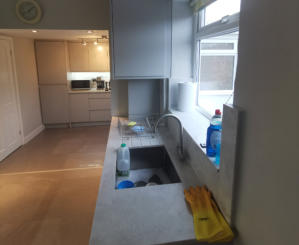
[{"x": 181, "y": 129}]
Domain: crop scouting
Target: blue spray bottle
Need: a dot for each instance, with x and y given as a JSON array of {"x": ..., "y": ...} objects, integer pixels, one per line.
[{"x": 214, "y": 135}]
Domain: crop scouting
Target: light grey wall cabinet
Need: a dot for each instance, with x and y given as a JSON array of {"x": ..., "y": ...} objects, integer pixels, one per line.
[
  {"x": 78, "y": 56},
  {"x": 89, "y": 58},
  {"x": 54, "y": 104},
  {"x": 98, "y": 59},
  {"x": 52, "y": 62},
  {"x": 141, "y": 38},
  {"x": 90, "y": 107}
]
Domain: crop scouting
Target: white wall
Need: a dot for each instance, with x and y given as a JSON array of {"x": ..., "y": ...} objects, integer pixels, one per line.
[
  {"x": 61, "y": 14},
  {"x": 28, "y": 85},
  {"x": 266, "y": 88}
]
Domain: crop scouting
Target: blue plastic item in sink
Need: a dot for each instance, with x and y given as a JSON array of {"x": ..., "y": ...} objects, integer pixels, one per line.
[
  {"x": 138, "y": 129},
  {"x": 125, "y": 184}
]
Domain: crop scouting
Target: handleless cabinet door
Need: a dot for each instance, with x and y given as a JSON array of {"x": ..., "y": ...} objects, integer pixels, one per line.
[
  {"x": 51, "y": 58},
  {"x": 99, "y": 57},
  {"x": 89, "y": 58},
  {"x": 99, "y": 95},
  {"x": 100, "y": 116},
  {"x": 79, "y": 58},
  {"x": 54, "y": 103},
  {"x": 79, "y": 108},
  {"x": 99, "y": 104},
  {"x": 141, "y": 38}
]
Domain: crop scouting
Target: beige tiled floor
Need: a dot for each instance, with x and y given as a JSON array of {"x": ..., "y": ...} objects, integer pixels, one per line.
[{"x": 48, "y": 188}]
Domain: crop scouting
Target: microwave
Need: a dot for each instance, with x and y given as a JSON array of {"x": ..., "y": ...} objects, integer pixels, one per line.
[{"x": 80, "y": 84}]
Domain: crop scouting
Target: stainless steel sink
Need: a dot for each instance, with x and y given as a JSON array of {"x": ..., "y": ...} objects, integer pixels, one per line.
[{"x": 149, "y": 161}]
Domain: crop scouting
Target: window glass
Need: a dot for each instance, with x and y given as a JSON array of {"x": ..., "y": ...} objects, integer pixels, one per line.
[
  {"x": 218, "y": 61},
  {"x": 216, "y": 72},
  {"x": 219, "y": 9},
  {"x": 215, "y": 46}
]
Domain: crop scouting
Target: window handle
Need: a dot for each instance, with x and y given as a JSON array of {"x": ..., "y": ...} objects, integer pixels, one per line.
[{"x": 224, "y": 19}]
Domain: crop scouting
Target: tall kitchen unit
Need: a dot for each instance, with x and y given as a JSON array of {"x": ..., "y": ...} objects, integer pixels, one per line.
[
  {"x": 52, "y": 66},
  {"x": 140, "y": 53},
  {"x": 141, "y": 49}
]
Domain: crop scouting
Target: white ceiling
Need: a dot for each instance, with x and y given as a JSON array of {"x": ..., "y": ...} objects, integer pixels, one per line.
[{"x": 54, "y": 34}]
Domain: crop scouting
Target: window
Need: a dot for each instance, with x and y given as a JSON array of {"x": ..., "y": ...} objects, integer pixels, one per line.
[
  {"x": 220, "y": 8},
  {"x": 217, "y": 53},
  {"x": 217, "y": 64}
]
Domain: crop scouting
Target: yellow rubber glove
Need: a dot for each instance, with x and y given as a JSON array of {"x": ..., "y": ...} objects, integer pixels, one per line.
[
  {"x": 209, "y": 224},
  {"x": 206, "y": 225},
  {"x": 227, "y": 235}
]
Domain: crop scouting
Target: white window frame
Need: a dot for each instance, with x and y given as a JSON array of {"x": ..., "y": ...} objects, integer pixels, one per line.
[
  {"x": 228, "y": 24},
  {"x": 229, "y": 52}
]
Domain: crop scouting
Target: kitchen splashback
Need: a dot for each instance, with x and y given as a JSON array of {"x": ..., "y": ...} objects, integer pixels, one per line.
[{"x": 88, "y": 75}]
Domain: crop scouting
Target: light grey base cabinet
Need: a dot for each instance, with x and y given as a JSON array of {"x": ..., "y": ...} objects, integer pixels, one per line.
[
  {"x": 99, "y": 116},
  {"x": 54, "y": 104},
  {"x": 140, "y": 38},
  {"x": 89, "y": 107},
  {"x": 79, "y": 108}
]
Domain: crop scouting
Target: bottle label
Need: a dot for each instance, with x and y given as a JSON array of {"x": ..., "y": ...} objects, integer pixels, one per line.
[
  {"x": 123, "y": 172},
  {"x": 215, "y": 139}
]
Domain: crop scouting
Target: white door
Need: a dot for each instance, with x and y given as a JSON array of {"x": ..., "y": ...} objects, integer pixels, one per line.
[{"x": 10, "y": 132}]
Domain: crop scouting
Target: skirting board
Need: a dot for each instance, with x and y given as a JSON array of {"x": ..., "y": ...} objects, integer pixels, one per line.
[{"x": 33, "y": 134}]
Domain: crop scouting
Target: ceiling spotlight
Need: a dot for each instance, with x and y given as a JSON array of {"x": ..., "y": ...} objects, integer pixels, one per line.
[
  {"x": 89, "y": 32},
  {"x": 100, "y": 48},
  {"x": 34, "y": 31}
]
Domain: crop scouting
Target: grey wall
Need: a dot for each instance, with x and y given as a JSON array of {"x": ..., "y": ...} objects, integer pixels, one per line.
[
  {"x": 144, "y": 98},
  {"x": 182, "y": 39},
  {"x": 266, "y": 87},
  {"x": 182, "y": 47},
  {"x": 136, "y": 98},
  {"x": 61, "y": 14},
  {"x": 28, "y": 84},
  {"x": 119, "y": 97}
]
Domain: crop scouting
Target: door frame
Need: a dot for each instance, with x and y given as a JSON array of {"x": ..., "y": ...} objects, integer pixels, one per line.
[{"x": 16, "y": 85}]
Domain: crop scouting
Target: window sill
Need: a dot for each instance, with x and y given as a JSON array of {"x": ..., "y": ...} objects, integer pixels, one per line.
[{"x": 196, "y": 124}]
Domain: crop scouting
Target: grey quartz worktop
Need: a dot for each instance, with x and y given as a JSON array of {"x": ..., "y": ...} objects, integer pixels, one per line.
[
  {"x": 146, "y": 215},
  {"x": 87, "y": 91}
]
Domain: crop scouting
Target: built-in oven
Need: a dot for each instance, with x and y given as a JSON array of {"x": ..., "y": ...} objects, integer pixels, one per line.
[{"x": 80, "y": 84}]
